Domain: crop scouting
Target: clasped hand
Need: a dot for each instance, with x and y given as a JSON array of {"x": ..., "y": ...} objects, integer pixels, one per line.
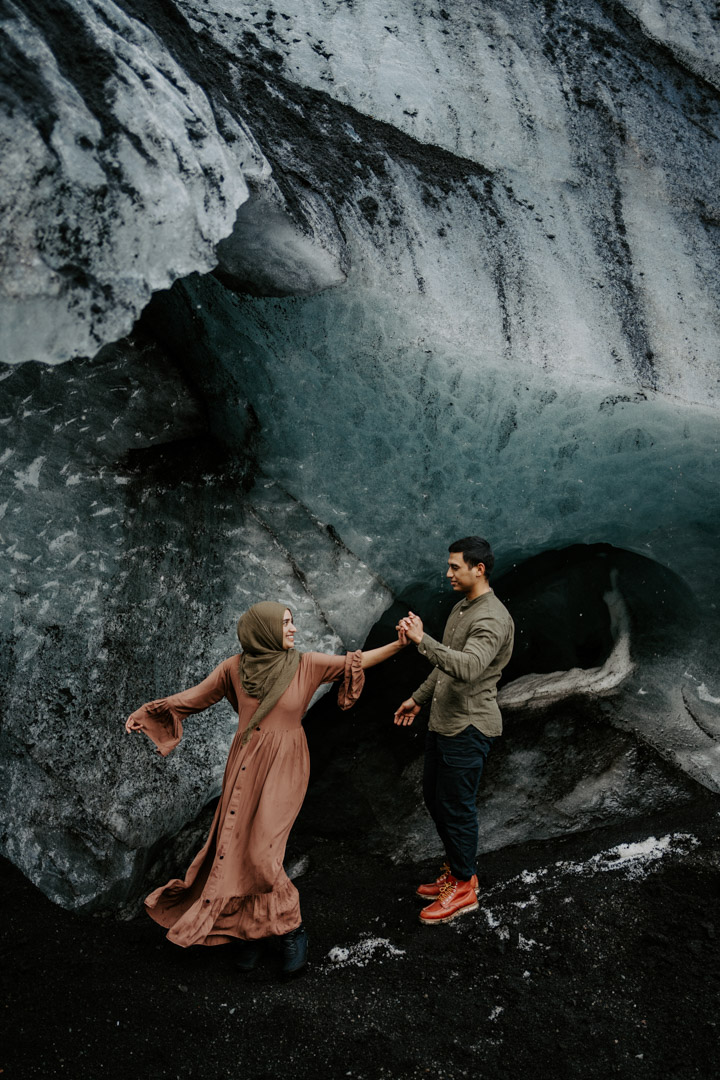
[{"x": 410, "y": 628}]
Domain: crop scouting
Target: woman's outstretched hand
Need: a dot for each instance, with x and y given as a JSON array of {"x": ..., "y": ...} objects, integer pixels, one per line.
[{"x": 132, "y": 725}]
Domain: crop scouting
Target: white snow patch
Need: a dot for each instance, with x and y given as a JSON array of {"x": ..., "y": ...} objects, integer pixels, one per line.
[
  {"x": 362, "y": 953},
  {"x": 630, "y": 858},
  {"x": 633, "y": 859},
  {"x": 496, "y": 1012},
  {"x": 529, "y": 943}
]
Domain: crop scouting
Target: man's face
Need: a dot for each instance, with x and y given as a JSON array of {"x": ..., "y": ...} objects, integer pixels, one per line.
[{"x": 463, "y": 577}]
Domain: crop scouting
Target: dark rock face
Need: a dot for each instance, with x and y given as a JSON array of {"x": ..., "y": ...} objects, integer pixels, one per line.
[{"x": 471, "y": 287}]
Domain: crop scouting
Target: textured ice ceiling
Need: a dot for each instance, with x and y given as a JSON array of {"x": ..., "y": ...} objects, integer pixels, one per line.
[{"x": 438, "y": 269}]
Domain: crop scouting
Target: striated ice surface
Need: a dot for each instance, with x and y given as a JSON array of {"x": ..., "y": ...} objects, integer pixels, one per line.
[
  {"x": 480, "y": 80},
  {"x": 689, "y": 28},
  {"x": 588, "y": 232},
  {"x": 118, "y": 174},
  {"x": 472, "y": 79}
]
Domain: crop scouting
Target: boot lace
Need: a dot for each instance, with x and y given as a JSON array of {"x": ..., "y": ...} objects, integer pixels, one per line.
[{"x": 447, "y": 890}]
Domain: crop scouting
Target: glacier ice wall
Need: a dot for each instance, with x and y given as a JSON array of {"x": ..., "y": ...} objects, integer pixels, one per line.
[
  {"x": 118, "y": 174},
  {"x": 472, "y": 286}
]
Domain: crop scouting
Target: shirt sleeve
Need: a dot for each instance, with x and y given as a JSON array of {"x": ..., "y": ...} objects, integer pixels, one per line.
[
  {"x": 424, "y": 692},
  {"x": 161, "y": 720},
  {"x": 468, "y": 663}
]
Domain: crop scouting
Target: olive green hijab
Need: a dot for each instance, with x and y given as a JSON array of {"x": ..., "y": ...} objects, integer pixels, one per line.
[{"x": 266, "y": 669}]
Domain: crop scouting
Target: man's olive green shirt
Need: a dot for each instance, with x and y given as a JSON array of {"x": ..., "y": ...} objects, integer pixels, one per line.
[{"x": 476, "y": 646}]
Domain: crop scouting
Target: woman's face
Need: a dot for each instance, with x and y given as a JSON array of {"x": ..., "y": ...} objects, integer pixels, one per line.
[{"x": 289, "y": 630}]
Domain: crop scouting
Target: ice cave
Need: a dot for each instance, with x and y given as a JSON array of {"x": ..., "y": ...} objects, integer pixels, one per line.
[{"x": 295, "y": 294}]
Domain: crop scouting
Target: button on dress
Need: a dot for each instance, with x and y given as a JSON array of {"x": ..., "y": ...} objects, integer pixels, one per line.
[{"x": 236, "y": 886}]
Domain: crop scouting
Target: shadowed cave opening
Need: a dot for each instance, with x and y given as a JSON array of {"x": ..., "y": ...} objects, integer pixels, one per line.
[{"x": 558, "y": 602}]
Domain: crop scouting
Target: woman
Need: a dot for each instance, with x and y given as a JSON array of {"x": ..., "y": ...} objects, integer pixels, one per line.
[{"x": 236, "y": 889}]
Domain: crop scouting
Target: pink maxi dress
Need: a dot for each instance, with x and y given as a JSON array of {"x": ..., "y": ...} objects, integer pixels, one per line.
[{"x": 236, "y": 886}]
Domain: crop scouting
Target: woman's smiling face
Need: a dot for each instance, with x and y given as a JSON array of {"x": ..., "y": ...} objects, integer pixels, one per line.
[{"x": 289, "y": 631}]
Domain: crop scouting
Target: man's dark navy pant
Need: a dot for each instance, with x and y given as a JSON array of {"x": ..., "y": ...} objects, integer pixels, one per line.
[{"x": 451, "y": 777}]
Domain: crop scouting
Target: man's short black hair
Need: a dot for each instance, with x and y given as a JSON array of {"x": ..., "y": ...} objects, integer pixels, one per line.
[{"x": 475, "y": 549}]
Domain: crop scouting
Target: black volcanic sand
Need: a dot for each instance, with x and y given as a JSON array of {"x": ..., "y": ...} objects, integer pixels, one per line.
[{"x": 592, "y": 974}]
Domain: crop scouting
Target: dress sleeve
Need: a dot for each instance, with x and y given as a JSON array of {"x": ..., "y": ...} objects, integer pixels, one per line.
[
  {"x": 347, "y": 670},
  {"x": 353, "y": 680},
  {"x": 161, "y": 720}
]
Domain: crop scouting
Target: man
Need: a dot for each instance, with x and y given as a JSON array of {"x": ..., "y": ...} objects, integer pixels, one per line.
[{"x": 464, "y": 719}]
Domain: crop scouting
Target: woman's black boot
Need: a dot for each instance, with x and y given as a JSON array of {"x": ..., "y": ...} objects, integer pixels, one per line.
[
  {"x": 247, "y": 953},
  {"x": 294, "y": 947}
]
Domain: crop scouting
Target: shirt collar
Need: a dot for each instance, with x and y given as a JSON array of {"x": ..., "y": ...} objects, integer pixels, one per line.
[{"x": 465, "y": 604}]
